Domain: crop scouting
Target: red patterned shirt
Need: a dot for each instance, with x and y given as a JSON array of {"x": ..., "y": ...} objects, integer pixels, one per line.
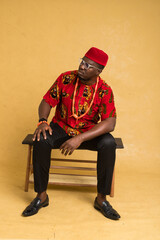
[{"x": 61, "y": 95}]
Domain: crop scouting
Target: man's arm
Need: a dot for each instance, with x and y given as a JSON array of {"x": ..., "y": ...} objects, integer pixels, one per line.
[
  {"x": 44, "y": 111},
  {"x": 103, "y": 127}
]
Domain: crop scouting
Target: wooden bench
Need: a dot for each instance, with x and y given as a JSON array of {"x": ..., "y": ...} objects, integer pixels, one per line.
[{"x": 60, "y": 175}]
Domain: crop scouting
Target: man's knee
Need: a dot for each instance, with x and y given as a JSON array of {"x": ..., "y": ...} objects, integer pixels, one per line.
[
  {"x": 43, "y": 141},
  {"x": 106, "y": 141}
]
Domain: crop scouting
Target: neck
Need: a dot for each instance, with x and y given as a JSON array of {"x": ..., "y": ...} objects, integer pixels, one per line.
[{"x": 90, "y": 81}]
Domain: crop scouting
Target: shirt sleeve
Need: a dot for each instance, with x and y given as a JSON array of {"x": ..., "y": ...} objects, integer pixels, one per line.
[
  {"x": 107, "y": 108},
  {"x": 52, "y": 96}
]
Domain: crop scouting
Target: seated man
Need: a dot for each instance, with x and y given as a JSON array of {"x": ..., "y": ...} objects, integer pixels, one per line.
[{"x": 82, "y": 99}]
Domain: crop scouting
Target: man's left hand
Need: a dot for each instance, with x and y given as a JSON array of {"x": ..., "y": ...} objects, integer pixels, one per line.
[{"x": 70, "y": 145}]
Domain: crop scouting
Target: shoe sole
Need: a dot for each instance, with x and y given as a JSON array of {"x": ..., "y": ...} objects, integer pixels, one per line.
[
  {"x": 97, "y": 208},
  {"x": 46, "y": 205}
]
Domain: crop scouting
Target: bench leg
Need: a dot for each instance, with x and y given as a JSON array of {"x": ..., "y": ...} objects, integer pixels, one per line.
[
  {"x": 28, "y": 168},
  {"x": 112, "y": 186}
]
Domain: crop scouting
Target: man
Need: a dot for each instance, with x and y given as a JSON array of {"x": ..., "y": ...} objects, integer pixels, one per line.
[{"x": 81, "y": 98}]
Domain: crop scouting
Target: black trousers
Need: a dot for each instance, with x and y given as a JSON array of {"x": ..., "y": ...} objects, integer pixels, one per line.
[{"x": 105, "y": 146}]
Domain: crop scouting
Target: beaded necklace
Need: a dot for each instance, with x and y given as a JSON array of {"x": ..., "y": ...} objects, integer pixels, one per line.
[{"x": 73, "y": 102}]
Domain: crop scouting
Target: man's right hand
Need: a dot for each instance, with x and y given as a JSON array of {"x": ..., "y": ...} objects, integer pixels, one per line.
[{"x": 42, "y": 128}]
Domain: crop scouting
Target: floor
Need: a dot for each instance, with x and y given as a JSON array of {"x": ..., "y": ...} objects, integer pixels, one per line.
[{"x": 71, "y": 215}]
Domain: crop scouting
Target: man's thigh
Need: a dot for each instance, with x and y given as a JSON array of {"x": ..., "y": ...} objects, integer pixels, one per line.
[
  {"x": 96, "y": 143},
  {"x": 59, "y": 136}
]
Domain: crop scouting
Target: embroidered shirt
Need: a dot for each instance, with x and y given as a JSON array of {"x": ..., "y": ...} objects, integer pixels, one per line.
[{"x": 61, "y": 96}]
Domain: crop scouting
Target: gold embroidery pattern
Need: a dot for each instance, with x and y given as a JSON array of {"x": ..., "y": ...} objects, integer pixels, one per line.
[
  {"x": 96, "y": 118},
  {"x": 64, "y": 94},
  {"x": 102, "y": 92},
  {"x": 68, "y": 78},
  {"x": 72, "y": 132},
  {"x": 82, "y": 108},
  {"x": 87, "y": 92},
  {"x": 103, "y": 109},
  {"x": 55, "y": 92},
  {"x": 82, "y": 124},
  {"x": 63, "y": 111}
]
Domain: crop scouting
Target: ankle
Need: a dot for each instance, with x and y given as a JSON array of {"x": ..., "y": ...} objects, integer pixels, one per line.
[
  {"x": 42, "y": 196},
  {"x": 101, "y": 198}
]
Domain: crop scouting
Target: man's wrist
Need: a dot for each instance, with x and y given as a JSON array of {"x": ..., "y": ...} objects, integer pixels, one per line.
[
  {"x": 42, "y": 119},
  {"x": 80, "y": 136},
  {"x": 42, "y": 122}
]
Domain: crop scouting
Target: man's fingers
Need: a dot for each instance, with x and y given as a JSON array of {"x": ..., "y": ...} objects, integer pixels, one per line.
[
  {"x": 62, "y": 146},
  {"x": 71, "y": 151},
  {"x": 50, "y": 130},
  {"x": 63, "y": 151},
  {"x": 38, "y": 134},
  {"x": 44, "y": 133},
  {"x": 34, "y": 136},
  {"x": 42, "y": 129},
  {"x": 66, "y": 150}
]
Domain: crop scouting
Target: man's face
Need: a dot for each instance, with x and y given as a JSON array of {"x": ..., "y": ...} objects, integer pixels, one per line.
[{"x": 89, "y": 73}]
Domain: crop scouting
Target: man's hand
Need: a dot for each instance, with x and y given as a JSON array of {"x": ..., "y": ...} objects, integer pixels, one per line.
[
  {"x": 42, "y": 129},
  {"x": 70, "y": 145}
]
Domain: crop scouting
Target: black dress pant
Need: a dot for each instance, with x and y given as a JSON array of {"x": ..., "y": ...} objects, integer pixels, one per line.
[{"x": 105, "y": 146}]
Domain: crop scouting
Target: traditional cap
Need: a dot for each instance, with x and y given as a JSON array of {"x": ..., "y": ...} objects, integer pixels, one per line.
[{"x": 97, "y": 56}]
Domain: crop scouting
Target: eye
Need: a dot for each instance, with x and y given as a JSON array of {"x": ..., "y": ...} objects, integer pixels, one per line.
[
  {"x": 83, "y": 62},
  {"x": 86, "y": 65}
]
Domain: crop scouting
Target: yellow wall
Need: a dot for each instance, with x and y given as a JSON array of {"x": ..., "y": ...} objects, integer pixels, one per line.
[{"x": 42, "y": 38}]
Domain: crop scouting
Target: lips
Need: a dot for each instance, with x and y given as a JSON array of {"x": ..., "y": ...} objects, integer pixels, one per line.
[{"x": 80, "y": 73}]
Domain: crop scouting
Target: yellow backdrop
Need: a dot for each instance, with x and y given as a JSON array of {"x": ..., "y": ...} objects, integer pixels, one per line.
[{"x": 42, "y": 38}]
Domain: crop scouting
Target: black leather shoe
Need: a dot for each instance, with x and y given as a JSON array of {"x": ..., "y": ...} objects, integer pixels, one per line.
[
  {"x": 34, "y": 206},
  {"x": 107, "y": 210}
]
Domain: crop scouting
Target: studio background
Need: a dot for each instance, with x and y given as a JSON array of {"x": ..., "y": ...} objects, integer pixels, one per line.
[{"x": 40, "y": 40}]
